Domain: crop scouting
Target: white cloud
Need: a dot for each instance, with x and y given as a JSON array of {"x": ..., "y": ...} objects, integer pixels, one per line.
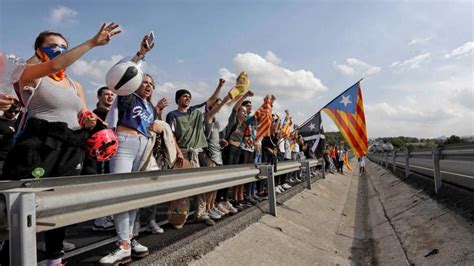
[
  {"x": 356, "y": 66},
  {"x": 94, "y": 71},
  {"x": 267, "y": 77},
  {"x": 180, "y": 61},
  {"x": 62, "y": 14},
  {"x": 419, "y": 41},
  {"x": 272, "y": 58},
  {"x": 465, "y": 49},
  {"x": 412, "y": 63}
]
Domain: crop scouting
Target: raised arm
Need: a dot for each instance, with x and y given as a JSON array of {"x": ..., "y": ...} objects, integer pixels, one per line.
[
  {"x": 140, "y": 55},
  {"x": 242, "y": 99},
  {"x": 216, "y": 93},
  {"x": 102, "y": 37}
]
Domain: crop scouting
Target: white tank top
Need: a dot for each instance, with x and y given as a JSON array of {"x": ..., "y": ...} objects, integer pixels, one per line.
[{"x": 53, "y": 103}]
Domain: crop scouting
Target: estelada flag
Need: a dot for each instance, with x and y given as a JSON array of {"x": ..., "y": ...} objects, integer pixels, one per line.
[
  {"x": 347, "y": 112},
  {"x": 264, "y": 118}
]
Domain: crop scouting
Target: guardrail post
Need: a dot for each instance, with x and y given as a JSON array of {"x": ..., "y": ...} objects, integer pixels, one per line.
[
  {"x": 324, "y": 168},
  {"x": 407, "y": 163},
  {"x": 394, "y": 153},
  {"x": 305, "y": 164},
  {"x": 21, "y": 213},
  {"x": 436, "y": 169},
  {"x": 267, "y": 170}
]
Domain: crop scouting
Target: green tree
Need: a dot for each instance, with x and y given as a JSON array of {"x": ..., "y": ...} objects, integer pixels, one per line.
[{"x": 453, "y": 139}]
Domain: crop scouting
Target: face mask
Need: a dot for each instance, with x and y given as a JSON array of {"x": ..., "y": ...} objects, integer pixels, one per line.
[{"x": 49, "y": 53}]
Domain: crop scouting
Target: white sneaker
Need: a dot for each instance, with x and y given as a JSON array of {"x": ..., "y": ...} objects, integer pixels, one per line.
[
  {"x": 222, "y": 207},
  {"x": 277, "y": 190},
  {"x": 281, "y": 188},
  {"x": 213, "y": 215},
  {"x": 138, "y": 250},
  {"x": 154, "y": 228},
  {"x": 286, "y": 186},
  {"x": 230, "y": 207},
  {"x": 297, "y": 179},
  {"x": 118, "y": 256},
  {"x": 292, "y": 180},
  {"x": 216, "y": 210}
]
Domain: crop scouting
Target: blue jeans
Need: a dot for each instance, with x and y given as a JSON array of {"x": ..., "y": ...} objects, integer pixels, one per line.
[{"x": 127, "y": 160}]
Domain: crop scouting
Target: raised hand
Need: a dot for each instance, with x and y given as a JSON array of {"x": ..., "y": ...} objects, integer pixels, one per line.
[
  {"x": 144, "y": 46},
  {"x": 105, "y": 34}
]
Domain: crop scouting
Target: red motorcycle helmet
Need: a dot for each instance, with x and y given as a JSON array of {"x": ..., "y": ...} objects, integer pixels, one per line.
[{"x": 102, "y": 145}]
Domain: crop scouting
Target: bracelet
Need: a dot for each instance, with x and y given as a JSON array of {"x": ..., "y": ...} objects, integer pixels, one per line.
[{"x": 140, "y": 56}]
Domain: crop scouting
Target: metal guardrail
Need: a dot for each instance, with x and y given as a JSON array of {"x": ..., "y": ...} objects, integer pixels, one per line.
[
  {"x": 32, "y": 206},
  {"x": 456, "y": 152}
]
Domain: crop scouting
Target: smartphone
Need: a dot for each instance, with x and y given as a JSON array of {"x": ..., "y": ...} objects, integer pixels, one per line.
[{"x": 151, "y": 39}]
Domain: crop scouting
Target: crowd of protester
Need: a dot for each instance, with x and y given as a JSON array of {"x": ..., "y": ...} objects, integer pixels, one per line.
[{"x": 47, "y": 139}]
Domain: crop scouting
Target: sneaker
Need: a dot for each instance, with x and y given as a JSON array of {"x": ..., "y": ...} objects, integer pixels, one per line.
[
  {"x": 207, "y": 220},
  {"x": 138, "y": 250},
  {"x": 237, "y": 205},
  {"x": 154, "y": 228},
  {"x": 213, "y": 215},
  {"x": 118, "y": 256},
  {"x": 252, "y": 201},
  {"x": 245, "y": 203},
  {"x": 223, "y": 207},
  {"x": 277, "y": 190},
  {"x": 107, "y": 225},
  {"x": 258, "y": 198},
  {"x": 297, "y": 180},
  {"x": 281, "y": 188},
  {"x": 292, "y": 180},
  {"x": 230, "y": 207},
  {"x": 216, "y": 210},
  {"x": 67, "y": 246},
  {"x": 286, "y": 186}
]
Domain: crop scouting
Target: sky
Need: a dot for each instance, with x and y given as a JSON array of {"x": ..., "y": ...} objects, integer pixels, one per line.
[{"x": 416, "y": 58}]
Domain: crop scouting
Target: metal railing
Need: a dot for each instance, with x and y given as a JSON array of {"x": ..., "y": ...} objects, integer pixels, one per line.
[
  {"x": 456, "y": 152},
  {"x": 32, "y": 206}
]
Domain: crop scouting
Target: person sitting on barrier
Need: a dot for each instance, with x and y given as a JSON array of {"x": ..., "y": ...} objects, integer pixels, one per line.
[
  {"x": 132, "y": 132},
  {"x": 52, "y": 142},
  {"x": 187, "y": 125}
]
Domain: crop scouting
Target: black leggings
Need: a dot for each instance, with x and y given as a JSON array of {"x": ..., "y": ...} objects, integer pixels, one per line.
[{"x": 231, "y": 156}]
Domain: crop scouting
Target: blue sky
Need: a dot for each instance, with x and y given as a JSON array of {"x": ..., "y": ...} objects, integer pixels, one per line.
[{"x": 416, "y": 57}]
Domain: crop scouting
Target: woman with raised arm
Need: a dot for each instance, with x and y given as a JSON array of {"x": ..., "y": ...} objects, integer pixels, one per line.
[
  {"x": 13, "y": 69},
  {"x": 52, "y": 142}
]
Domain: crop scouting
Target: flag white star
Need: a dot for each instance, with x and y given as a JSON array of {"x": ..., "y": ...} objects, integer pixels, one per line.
[
  {"x": 345, "y": 100},
  {"x": 58, "y": 49},
  {"x": 312, "y": 126}
]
